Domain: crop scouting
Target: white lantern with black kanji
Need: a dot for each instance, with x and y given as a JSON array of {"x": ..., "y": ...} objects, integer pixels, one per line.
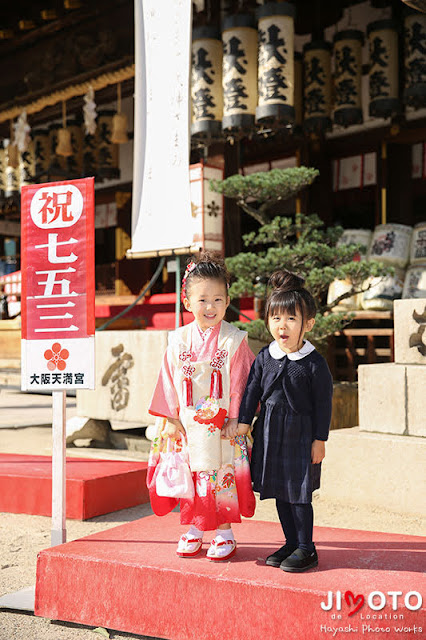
[
  {"x": 206, "y": 83},
  {"x": 317, "y": 86},
  {"x": 108, "y": 158},
  {"x": 12, "y": 173},
  {"x": 347, "y": 77},
  {"x": 207, "y": 208},
  {"x": 383, "y": 73},
  {"x": 75, "y": 160},
  {"x": 415, "y": 60},
  {"x": 41, "y": 152},
  {"x": 27, "y": 165},
  {"x": 276, "y": 63},
  {"x": 239, "y": 78}
]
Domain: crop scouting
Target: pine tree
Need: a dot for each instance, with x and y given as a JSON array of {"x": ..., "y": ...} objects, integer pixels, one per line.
[{"x": 299, "y": 243}]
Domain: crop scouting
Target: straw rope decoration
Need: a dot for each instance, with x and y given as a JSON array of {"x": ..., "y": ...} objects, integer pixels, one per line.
[{"x": 102, "y": 81}]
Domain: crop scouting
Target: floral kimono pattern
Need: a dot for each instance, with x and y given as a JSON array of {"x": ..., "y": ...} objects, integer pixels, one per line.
[{"x": 195, "y": 366}]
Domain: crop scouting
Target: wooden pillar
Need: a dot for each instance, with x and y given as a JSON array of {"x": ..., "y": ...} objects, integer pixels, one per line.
[
  {"x": 399, "y": 184},
  {"x": 320, "y": 193},
  {"x": 232, "y": 230}
]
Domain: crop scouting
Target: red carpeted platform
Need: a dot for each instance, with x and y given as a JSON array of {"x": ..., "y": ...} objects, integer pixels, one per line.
[
  {"x": 129, "y": 578},
  {"x": 94, "y": 487}
]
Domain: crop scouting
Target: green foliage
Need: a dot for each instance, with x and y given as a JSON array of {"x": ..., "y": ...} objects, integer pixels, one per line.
[
  {"x": 267, "y": 188},
  {"x": 304, "y": 247},
  {"x": 301, "y": 245}
]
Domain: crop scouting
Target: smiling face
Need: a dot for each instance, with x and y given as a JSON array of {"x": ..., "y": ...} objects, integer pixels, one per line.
[
  {"x": 288, "y": 329},
  {"x": 208, "y": 300}
]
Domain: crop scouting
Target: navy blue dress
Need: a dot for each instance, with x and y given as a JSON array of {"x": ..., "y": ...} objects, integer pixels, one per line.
[{"x": 295, "y": 397}]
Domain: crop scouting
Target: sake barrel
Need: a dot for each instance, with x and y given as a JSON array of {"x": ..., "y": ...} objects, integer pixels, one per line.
[
  {"x": 356, "y": 236},
  {"x": 391, "y": 244},
  {"x": 415, "y": 281},
  {"x": 383, "y": 291},
  {"x": 418, "y": 244},
  {"x": 338, "y": 288}
]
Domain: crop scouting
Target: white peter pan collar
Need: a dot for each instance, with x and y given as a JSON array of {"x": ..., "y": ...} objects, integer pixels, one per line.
[{"x": 278, "y": 354}]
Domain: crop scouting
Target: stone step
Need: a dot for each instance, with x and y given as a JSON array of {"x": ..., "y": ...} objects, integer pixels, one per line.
[{"x": 375, "y": 469}]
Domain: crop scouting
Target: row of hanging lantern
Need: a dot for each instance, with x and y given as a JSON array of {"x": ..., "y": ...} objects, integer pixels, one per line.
[
  {"x": 247, "y": 76},
  {"x": 69, "y": 149}
]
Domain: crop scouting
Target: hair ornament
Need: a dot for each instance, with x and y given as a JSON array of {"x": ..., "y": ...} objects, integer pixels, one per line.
[{"x": 190, "y": 267}]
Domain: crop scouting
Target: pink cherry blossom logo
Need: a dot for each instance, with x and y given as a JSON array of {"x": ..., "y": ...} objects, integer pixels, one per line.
[{"x": 56, "y": 357}]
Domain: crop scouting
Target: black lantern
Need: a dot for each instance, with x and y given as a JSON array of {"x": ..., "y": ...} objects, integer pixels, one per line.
[
  {"x": 348, "y": 73},
  {"x": 317, "y": 86},
  {"x": 239, "y": 73},
  {"x": 383, "y": 73},
  {"x": 206, "y": 83},
  {"x": 276, "y": 63}
]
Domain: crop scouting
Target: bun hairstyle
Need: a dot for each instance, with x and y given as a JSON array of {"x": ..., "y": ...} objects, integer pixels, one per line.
[
  {"x": 205, "y": 266},
  {"x": 289, "y": 295}
]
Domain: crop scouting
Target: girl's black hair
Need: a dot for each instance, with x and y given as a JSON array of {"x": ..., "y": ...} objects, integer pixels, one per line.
[
  {"x": 289, "y": 295},
  {"x": 208, "y": 266}
]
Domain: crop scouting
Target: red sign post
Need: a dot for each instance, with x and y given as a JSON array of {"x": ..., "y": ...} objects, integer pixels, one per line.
[{"x": 58, "y": 306}]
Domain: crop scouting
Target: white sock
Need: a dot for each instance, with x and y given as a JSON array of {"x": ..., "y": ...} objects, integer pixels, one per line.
[
  {"x": 194, "y": 532},
  {"x": 225, "y": 534}
]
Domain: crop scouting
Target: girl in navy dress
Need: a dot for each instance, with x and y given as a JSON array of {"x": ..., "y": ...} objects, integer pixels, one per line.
[{"x": 294, "y": 386}]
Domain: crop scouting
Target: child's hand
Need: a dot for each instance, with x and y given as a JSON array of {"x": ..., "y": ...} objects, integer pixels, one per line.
[
  {"x": 243, "y": 429},
  {"x": 317, "y": 451},
  {"x": 175, "y": 428},
  {"x": 229, "y": 430}
]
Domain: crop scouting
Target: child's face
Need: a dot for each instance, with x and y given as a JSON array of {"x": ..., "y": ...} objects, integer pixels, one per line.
[
  {"x": 208, "y": 300},
  {"x": 288, "y": 331}
]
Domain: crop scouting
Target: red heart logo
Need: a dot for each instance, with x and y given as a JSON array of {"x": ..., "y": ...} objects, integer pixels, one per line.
[{"x": 356, "y": 600}]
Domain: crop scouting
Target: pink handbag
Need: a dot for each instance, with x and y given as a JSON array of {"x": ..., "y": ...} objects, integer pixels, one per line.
[{"x": 173, "y": 477}]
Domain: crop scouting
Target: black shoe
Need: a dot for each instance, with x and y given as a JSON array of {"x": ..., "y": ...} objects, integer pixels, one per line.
[
  {"x": 277, "y": 557},
  {"x": 300, "y": 560}
]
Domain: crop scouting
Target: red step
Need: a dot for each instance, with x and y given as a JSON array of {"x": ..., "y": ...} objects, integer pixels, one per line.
[
  {"x": 129, "y": 579},
  {"x": 94, "y": 487}
]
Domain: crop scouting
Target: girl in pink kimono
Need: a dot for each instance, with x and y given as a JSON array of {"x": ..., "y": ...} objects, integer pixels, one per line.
[{"x": 199, "y": 390}]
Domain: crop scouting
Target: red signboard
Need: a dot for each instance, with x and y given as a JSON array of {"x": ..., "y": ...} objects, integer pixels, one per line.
[{"x": 58, "y": 297}]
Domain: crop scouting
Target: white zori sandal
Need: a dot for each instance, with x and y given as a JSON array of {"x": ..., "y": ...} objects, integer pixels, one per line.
[
  {"x": 189, "y": 546},
  {"x": 221, "y": 550}
]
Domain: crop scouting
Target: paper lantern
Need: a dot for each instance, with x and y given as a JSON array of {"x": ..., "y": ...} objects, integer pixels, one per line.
[
  {"x": 317, "y": 86},
  {"x": 383, "y": 74},
  {"x": 348, "y": 73},
  {"x": 207, "y": 208},
  {"x": 206, "y": 83},
  {"x": 41, "y": 152},
  {"x": 2, "y": 170},
  {"x": 75, "y": 160},
  {"x": 12, "y": 174},
  {"x": 108, "y": 159},
  {"x": 27, "y": 165},
  {"x": 298, "y": 89},
  {"x": 276, "y": 63},
  {"x": 239, "y": 73},
  {"x": 90, "y": 154},
  {"x": 415, "y": 60}
]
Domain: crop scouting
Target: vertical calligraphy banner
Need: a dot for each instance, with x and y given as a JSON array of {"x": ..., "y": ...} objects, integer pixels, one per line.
[
  {"x": 58, "y": 286},
  {"x": 161, "y": 215}
]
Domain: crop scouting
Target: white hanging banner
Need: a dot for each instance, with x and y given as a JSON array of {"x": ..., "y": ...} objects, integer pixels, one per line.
[{"x": 161, "y": 215}]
